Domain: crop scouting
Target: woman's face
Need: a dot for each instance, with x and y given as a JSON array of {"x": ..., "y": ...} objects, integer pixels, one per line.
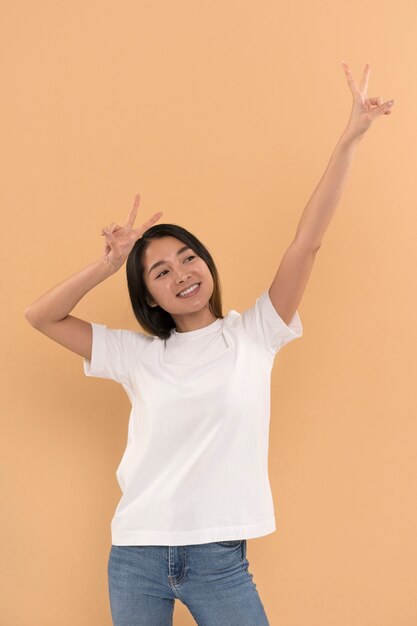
[{"x": 178, "y": 271}]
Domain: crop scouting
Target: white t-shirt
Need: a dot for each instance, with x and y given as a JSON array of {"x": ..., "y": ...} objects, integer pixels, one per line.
[{"x": 195, "y": 469}]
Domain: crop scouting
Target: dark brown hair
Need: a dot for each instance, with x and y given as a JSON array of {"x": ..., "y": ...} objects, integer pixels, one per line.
[{"x": 156, "y": 320}]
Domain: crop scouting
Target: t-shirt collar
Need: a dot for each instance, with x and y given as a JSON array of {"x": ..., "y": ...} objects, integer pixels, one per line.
[{"x": 199, "y": 332}]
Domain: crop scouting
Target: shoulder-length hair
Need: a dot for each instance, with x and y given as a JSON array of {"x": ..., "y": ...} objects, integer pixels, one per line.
[{"x": 156, "y": 320}]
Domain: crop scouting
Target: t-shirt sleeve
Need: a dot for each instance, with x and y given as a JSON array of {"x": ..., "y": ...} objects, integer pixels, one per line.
[
  {"x": 263, "y": 323},
  {"x": 114, "y": 352}
]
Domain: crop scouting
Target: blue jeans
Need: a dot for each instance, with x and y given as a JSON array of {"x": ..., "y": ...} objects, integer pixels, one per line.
[{"x": 211, "y": 579}]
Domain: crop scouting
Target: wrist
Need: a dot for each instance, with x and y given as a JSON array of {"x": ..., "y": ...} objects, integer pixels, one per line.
[
  {"x": 347, "y": 138},
  {"x": 106, "y": 267}
]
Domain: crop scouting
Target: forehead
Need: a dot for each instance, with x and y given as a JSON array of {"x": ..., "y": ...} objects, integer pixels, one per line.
[{"x": 162, "y": 247}]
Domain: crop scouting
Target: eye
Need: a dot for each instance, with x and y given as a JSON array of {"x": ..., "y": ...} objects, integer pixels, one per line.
[{"x": 188, "y": 257}]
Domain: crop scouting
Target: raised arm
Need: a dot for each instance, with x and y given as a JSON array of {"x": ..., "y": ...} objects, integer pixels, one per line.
[
  {"x": 293, "y": 273},
  {"x": 50, "y": 313}
]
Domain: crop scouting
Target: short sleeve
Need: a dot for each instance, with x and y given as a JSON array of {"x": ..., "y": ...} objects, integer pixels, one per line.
[
  {"x": 263, "y": 323},
  {"x": 114, "y": 352}
]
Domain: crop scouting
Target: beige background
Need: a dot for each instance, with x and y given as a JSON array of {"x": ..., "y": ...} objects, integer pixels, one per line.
[{"x": 223, "y": 115}]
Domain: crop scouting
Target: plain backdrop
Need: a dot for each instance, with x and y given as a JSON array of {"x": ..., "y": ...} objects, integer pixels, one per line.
[{"x": 223, "y": 115}]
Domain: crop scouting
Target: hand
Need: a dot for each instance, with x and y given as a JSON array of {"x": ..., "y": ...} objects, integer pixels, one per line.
[
  {"x": 121, "y": 239},
  {"x": 364, "y": 110}
]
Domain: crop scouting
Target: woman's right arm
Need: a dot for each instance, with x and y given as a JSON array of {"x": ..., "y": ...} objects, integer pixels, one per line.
[{"x": 50, "y": 314}]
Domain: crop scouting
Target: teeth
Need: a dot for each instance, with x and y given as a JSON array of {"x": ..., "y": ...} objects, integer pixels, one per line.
[{"x": 184, "y": 293}]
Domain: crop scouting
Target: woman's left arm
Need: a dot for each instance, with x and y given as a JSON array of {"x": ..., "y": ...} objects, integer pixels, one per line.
[{"x": 294, "y": 270}]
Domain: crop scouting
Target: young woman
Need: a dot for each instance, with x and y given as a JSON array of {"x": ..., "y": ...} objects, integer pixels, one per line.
[{"x": 194, "y": 475}]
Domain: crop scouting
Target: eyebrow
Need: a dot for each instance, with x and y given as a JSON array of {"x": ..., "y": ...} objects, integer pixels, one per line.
[{"x": 183, "y": 249}]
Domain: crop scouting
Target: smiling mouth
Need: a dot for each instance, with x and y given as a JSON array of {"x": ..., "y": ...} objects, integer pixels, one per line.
[{"x": 197, "y": 287}]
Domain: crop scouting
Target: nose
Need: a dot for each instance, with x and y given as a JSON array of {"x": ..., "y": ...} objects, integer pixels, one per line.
[{"x": 184, "y": 278}]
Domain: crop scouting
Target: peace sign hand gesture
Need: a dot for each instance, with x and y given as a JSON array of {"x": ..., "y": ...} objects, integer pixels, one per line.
[
  {"x": 121, "y": 239},
  {"x": 364, "y": 109}
]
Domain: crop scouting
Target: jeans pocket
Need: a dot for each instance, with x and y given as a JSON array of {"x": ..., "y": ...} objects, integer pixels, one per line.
[{"x": 233, "y": 547}]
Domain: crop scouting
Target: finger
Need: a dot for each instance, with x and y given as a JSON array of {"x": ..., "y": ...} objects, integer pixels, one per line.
[
  {"x": 353, "y": 86},
  {"x": 363, "y": 88},
  {"x": 133, "y": 211},
  {"x": 112, "y": 241},
  {"x": 112, "y": 228},
  {"x": 377, "y": 100},
  {"x": 384, "y": 108},
  {"x": 149, "y": 223},
  {"x": 387, "y": 106}
]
